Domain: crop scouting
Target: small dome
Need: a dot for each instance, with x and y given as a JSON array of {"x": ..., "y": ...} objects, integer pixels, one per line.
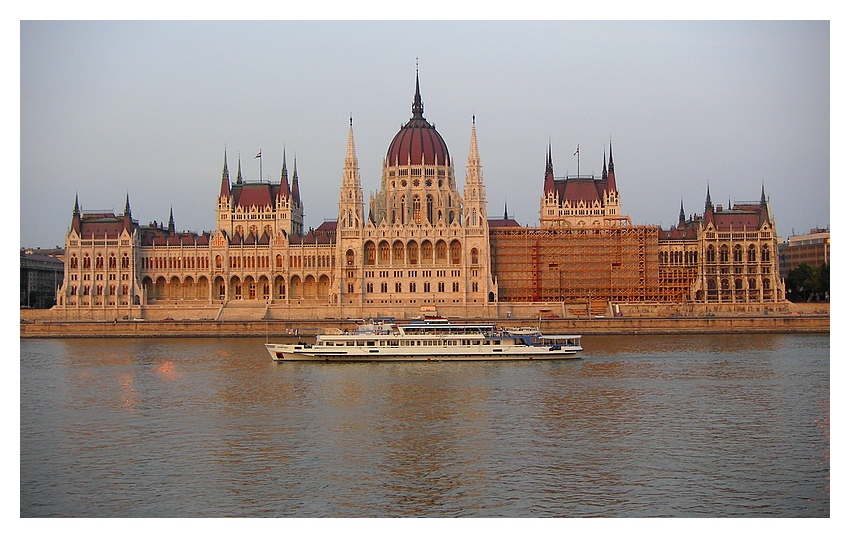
[{"x": 418, "y": 142}]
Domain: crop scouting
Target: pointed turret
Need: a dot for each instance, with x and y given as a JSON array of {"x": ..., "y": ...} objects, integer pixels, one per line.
[
  {"x": 612, "y": 183},
  {"x": 75, "y": 216},
  {"x": 296, "y": 192},
  {"x": 171, "y": 222},
  {"x": 128, "y": 219},
  {"x": 681, "y": 214},
  {"x": 506, "y": 211},
  {"x": 549, "y": 180},
  {"x": 284, "y": 178},
  {"x": 350, "y": 154},
  {"x": 239, "y": 171},
  {"x": 604, "y": 168},
  {"x": 225, "y": 179},
  {"x": 473, "y": 165},
  {"x": 709, "y": 208}
]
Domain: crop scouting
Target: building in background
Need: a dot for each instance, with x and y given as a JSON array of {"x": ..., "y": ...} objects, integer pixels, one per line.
[
  {"x": 811, "y": 248},
  {"x": 42, "y": 272}
]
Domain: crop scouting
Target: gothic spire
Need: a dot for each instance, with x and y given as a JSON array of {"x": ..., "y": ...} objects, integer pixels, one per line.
[
  {"x": 350, "y": 155},
  {"x": 473, "y": 165},
  {"x": 224, "y": 192},
  {"x": 296, "y": 192},
  {"x": 604, "y": 167},
  {"x": 239, "y": 171},
  {"x": 284, "y": 177},
  {"x": 171, "y": 221},
  {"x": 506, "y": 210},
  {"x": 708, "y": 205},
  {"x": 76, "y": 205},
  {"x": 681, "y": 213},
  {"x": 549, "y": 180},
  {"x": 127, "y": 206}
]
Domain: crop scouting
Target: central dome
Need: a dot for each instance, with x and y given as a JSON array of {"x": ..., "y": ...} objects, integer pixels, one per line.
[{"x": 418, "y": 141}]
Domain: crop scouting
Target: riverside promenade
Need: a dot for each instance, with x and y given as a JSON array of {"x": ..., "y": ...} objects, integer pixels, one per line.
[{"x": 791, "y": 324}]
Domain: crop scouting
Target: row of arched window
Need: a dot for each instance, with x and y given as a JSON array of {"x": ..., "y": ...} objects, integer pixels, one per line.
[
  {"x": 722, "y": 254},
  {"x": 74, "y": 262},
  {"x": 413, "y": 253}
]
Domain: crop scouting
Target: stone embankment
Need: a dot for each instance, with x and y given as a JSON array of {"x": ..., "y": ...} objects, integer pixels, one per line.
[{"x": 791, "y": 324}]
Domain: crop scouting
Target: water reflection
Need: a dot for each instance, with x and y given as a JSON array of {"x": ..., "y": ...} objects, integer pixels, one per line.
[{"x": 644, "y": 426}]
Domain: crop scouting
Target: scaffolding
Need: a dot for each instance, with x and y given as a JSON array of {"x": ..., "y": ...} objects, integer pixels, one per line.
[{"x": 576, "y": 265}]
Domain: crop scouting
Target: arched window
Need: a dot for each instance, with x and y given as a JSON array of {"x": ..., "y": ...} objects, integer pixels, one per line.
[
  {"x": 473, "y": 256},
  {"x": 751, "y": 254},
  {"x": 417, "y": 210},
  {"x": 738, "y": 254},
  {"x": 86, "y": 263},
  {"x": 349, "y": 257},
  {"x": 370, "y": 253},
  {"x": 74, "y": 263},
  {"x": 724, "y": 254},
  {"x": 429, "y": 209},
  {"x": 709, "y": 254},
  {"x": 765, "y": 254},
  {"x": 98, "y": 264}
]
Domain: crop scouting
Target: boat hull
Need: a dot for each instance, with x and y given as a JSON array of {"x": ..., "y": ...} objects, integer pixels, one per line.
[{"x": 286, "y": 353}]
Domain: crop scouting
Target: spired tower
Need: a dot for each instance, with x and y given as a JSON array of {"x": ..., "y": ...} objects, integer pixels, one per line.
[
  {"x": 349, "y": 233},
  {"x": 580, "y": 200},
  {"x": 422, "y": 243}
]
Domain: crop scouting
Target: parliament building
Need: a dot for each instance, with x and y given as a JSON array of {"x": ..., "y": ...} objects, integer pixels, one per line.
[{"x": 421, "y": 245}]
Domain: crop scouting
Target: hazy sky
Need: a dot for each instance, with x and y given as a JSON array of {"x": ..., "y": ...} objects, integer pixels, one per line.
[{"x": 147, "y": 108}]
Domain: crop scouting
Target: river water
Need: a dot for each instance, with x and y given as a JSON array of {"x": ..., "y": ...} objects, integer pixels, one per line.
[{"x": 671, "y": 426}]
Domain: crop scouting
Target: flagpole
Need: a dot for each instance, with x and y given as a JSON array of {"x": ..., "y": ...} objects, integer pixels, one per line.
[{"x": 578, "y": 161}]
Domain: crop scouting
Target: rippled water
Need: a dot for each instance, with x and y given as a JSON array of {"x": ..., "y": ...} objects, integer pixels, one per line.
[{"x": 643, "y": 426}]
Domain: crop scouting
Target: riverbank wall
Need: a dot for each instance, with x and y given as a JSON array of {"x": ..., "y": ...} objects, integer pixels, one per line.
[{"x": 791, "y": 324}]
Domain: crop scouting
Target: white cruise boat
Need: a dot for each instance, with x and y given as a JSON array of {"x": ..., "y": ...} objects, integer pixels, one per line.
[{"x": 431, "y": 339}]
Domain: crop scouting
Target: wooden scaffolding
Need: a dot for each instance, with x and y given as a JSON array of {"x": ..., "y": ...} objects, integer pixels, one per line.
[{"x": 616, "y": 263}]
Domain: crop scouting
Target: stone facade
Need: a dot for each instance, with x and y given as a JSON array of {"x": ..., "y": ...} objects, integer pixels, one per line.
[{"x": 423, "y": 245}]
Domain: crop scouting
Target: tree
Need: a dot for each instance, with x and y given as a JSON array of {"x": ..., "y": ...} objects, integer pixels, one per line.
[{"x": 806, "y": 283}]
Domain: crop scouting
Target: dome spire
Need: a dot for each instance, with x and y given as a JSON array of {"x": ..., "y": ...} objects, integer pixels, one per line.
[{"x": 418, "y": 109}]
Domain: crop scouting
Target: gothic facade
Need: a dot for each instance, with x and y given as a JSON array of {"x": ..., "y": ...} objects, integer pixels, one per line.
[{"x": 421, "y": 242}]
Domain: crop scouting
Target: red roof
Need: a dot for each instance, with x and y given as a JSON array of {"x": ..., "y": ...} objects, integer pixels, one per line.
[{"x": 255, "y": 194}]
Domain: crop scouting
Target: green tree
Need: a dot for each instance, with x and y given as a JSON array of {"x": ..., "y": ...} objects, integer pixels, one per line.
[{"x": 806, "y": 283}]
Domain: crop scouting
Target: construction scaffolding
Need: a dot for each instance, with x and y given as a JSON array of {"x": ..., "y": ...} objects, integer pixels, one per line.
[{"x": 576, "y": 265}]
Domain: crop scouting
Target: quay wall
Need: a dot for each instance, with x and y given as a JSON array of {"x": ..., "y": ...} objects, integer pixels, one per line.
[{"x": 305, "y": 328}]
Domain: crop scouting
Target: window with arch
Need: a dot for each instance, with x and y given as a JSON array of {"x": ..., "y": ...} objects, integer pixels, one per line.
[
  {"x": 74, "y": 261},
  {"x": 473, "y": 256},
  {"x": 710, "y": 254},
  {"x": 349, "y": 257},
  {"x": 370, "y": 253},
  {"x": 751, "y": 254},
  {"x": 86, "y": 262},
  {"x": 429, "y": 209},
  {"x": 455, "y": 252},
  {"x": 738, "y": 253},
  {"x": 417, "y": 210},
  {"x": 765, "y": 253},
  {"x": 98, "y": 264},
  {"x": 218, "y": 262},
  {"x": 113, "y": 261},
  {"x": 278, "y": 261},
  {"x": 724, "y": 254}
]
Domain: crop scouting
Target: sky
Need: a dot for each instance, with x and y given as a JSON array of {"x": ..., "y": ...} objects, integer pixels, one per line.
[{"x": 147, "y": 109}]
